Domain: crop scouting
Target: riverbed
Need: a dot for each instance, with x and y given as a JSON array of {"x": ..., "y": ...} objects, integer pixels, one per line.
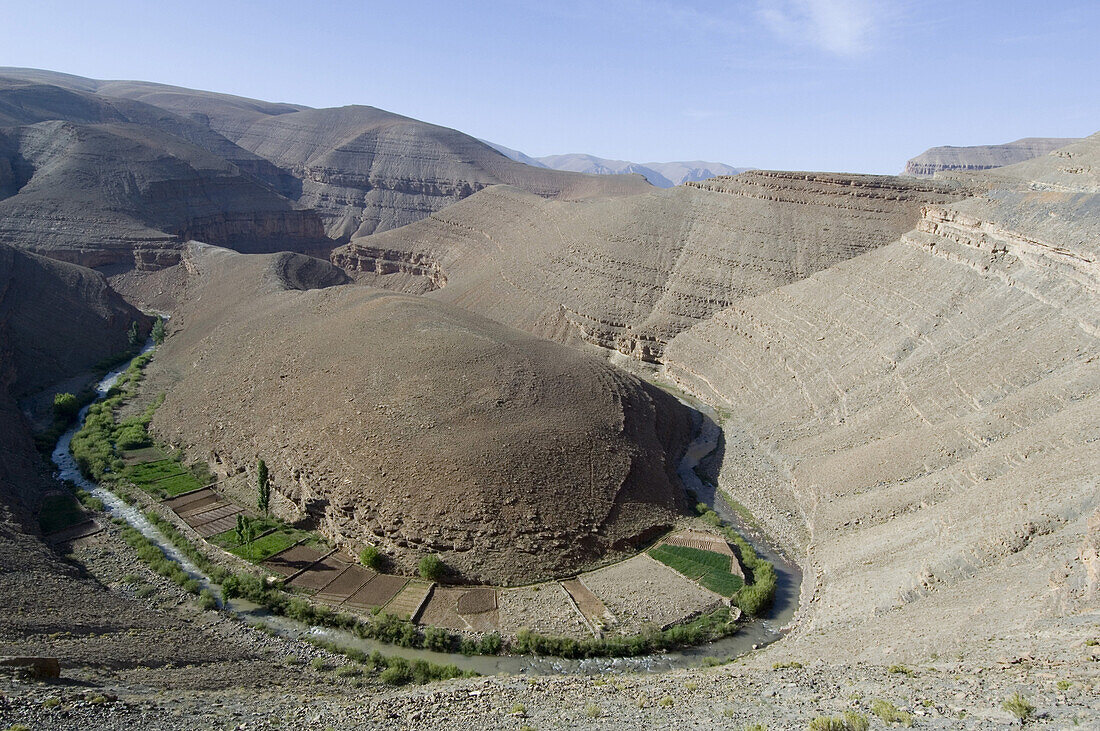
[{"x": 751, "y": 635}]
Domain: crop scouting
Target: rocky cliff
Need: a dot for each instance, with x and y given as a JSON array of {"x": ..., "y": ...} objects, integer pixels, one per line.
[
  {"x": 630, "y": 273},
  {"x": 111, "y": 193},
  {"x": 920, "y": 423},
  {"x": 982, "y": 157}
]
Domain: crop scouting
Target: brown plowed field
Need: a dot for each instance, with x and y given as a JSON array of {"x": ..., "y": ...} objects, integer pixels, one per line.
[
  {"x": 345, "y": 584},
  {"x": 204, "y": 503},
  {"x": 181, "y": 502},
  {"x": 320, "y": 574},
  {"x": 292, "y": 560},
  {"x": 702, "y": 541},
  {"x": 408, "y": 600},
  {"x": 590, "y": 605},
  {"x": 476, "y": 601},
  {"x": 376, "y": 592}
]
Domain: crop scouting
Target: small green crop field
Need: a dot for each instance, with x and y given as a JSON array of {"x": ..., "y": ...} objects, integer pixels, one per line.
[
  {"x": 142, "y": 456},
  {"x": 279, "y": 539},
  {"x": 163, "y": 477},
  {"x": 710, "y": 569},
  {"x": 59, "y": 512}
]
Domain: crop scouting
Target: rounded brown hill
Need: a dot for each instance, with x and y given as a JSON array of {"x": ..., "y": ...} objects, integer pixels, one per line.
[{"x": 415, "y": 425}]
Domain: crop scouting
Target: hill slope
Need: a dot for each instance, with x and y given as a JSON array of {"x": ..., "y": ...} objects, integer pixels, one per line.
[
  {"x": 416, "y": 425},
  {"x": 660, "y": 174},
  {"x": 982, "y": 157},
  {"x": 630, "y": 273},
  {"x": 921, "y": 423},
  {"x": 362, "y": 169}
]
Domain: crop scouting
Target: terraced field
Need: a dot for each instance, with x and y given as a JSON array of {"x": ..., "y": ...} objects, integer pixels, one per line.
[
  {"x": 165, "y": 477},
  {"x": 710, "y": 569}
]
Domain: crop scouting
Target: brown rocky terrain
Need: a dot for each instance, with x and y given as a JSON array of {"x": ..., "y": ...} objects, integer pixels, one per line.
[
  {"x": 631, "y": 273},
  {"x": 361, "y": 169},
  {"x": 100, "y": 182},
  {"x": 982, "y": 157},
  {"x": 906, "y": 373},
  {"x": 920, "y": 425},
  {"x": 57, "y": 320},
  {"x": 413, "y": 424}
]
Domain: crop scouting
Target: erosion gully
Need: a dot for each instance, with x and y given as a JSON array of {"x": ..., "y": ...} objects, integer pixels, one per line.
[{"x": 750, "y": 636}]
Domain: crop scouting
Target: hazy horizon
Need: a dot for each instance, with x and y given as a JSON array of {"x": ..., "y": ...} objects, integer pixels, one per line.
[{"x": 845, "y": 85}]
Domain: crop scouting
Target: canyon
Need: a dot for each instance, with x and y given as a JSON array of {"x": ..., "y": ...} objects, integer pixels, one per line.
[{"x": 434, "y": 348}]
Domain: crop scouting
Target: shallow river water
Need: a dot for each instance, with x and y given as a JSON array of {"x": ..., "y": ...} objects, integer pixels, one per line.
[{"x": 751, "y": 635}]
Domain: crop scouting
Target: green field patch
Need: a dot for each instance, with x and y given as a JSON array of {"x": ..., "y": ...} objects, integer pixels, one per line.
[
  {"x": 709, "y": 568},
  {"x": 142, "y": 456},
  {"x": 177, "y": 484},
  {"x": 277, "y": 537},
  {"x": 144, "y": 474},
  {"x": 264, "y": 547},
  {"x": 723, "y": 583},
  {"x": 165, "y": 477}
]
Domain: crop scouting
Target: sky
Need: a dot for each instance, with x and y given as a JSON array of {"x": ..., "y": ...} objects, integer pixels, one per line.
[{"x": 839, "y": 85}]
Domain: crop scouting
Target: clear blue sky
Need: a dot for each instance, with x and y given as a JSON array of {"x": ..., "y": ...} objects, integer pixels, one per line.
[{"x": 857, "y": 85}]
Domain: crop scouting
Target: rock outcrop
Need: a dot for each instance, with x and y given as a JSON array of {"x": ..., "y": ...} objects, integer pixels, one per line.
[
  {"x": 415, "y": 425},
  {"x": 630, "y": 273},
  {"x": 982, "y": 157},
  {"x": 99, "y": 182},
  {"x": 920, "y": 422},
  {"x": 362, "y": 169}
]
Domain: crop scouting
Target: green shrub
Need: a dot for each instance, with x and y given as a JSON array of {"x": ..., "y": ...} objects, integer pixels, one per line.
[
  {"x": 593, "y": 711},
  {"x": 1018, "y": 706},
  {"x": 856, "y": 721},
  {"x": 827, "y": 723},
  {"x": 371, "y": 557},
  {"x": 490, "y": 644},
  {"x": 65, "y": 406},
  {"x": 431, "y": 567},
  {"x": 889, "y": 713},
  {"x": 158, "y": 330},
  {"x": 207, "y": 600}
]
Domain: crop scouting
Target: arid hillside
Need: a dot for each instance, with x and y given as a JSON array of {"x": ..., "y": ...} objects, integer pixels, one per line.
[
  {"x": 100, "y": 182},
  {"x": 360, "y": 169},
  {"x": 982, "y": 157},
  {"x": 418, "y": 426},
  {"x": 920, "y": 424},
  {"x": 630, "y": 273}
]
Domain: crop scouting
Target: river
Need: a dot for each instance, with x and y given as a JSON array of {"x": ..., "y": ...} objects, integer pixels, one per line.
[{"x": 750, "y": 636}]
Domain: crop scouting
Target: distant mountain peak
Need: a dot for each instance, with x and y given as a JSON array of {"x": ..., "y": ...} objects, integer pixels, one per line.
[{"x": 660, "y": 174}]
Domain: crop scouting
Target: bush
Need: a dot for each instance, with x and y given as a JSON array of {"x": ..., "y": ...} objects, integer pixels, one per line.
[
  {"x": 207, "y": 600},
  {"x": 158, "y": 330},
  {"x": 856, "y": 721},
  {"x": 65, "y": 406},
  {"x": 431, "y": 567},
  {"x": 889, "y": 713},
  {"x": 490, "y": 644},
  {"x": 371, "y": 557},
  {"x": 1018, "y": 706},
  {"x": 827, "y": 723}
]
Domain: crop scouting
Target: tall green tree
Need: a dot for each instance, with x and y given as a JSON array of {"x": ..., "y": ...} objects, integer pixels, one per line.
[
  {"x": 133, "y": 335},
  {"x": 158, "y": 330},
  {"x": 263, "y": 485}
]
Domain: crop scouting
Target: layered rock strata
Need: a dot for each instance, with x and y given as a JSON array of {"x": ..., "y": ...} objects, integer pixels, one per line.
[{"x": 630, "y": 273}]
